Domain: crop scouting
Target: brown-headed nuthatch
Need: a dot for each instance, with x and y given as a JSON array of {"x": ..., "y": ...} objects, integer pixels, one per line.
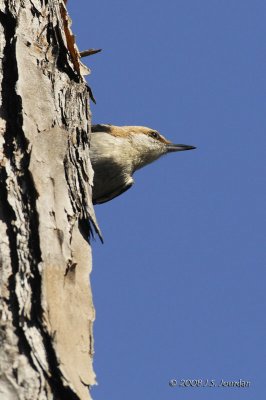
[{"x": 116, "y": 152}]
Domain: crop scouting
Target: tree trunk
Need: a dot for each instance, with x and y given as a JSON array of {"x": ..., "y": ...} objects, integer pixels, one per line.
[{"x": 46, "y": 211}]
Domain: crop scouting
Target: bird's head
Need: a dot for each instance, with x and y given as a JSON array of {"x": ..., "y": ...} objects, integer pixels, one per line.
[
  {"x": 148, "y": 144},
  {"x": 140, "y": 145}
]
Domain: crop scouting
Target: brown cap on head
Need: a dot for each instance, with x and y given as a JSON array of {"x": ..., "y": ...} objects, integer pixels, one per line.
[{"x": 125, "y": 131}]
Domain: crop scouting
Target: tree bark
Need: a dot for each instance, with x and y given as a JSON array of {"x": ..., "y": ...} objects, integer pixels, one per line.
[{"x": 46, "y": 211}]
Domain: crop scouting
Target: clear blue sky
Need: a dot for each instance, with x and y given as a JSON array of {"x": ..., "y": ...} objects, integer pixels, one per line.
[{"x": 179, "y": 285}]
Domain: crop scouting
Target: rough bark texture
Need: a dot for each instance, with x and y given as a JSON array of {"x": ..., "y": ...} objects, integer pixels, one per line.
[{"x": 45, "y": 207}]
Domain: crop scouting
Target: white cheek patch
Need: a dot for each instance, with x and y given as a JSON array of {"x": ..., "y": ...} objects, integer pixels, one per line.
[
  {"x": 145, "y": 142},
  {"x": 147, "y": 149}
]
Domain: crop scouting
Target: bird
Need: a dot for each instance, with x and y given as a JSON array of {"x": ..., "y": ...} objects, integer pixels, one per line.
[{"x": 116, "y": 152}]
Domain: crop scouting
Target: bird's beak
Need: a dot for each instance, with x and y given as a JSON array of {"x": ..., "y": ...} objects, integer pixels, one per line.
[{"x": 178, "y": 147}]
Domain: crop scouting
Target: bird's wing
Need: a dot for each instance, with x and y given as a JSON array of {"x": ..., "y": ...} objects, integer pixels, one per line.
[{"x": 110, "y": 196}]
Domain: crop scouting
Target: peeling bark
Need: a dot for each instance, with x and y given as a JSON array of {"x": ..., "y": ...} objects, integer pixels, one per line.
[{"x": 46, "y": 213}]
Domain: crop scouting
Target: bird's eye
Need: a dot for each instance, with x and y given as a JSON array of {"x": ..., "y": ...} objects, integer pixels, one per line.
[{"x": 155, "y": 135}]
